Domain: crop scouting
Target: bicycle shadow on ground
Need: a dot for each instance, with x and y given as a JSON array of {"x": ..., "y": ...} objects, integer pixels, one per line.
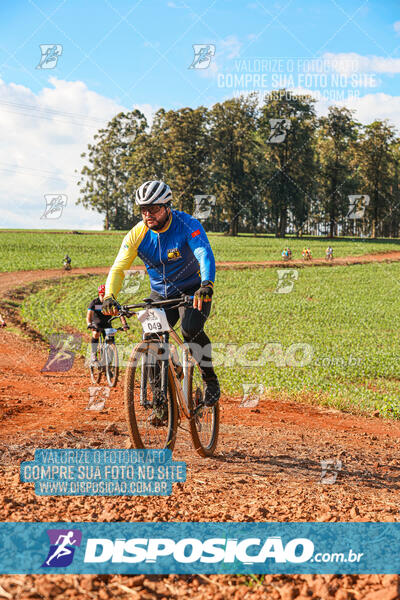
[{"x": 302, "y": 467}]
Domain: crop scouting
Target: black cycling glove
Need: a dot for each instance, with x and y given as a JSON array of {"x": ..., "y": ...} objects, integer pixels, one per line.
[
  {"x": 109, "y": 304},
  {"x": 206, "y": 290}
]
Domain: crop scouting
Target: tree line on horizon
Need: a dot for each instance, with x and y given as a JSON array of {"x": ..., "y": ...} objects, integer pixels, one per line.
[{"x": 276, "y": 168}]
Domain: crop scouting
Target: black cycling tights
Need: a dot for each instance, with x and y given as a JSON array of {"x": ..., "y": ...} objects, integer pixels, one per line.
[{"x": 192, "y": 323}]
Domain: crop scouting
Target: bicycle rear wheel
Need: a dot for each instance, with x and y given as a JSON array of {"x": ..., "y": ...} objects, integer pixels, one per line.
[
  {"x": 204, "y": 420},
  {"x": 111, "y": 366},
  {"x": 152, "y": 420}
]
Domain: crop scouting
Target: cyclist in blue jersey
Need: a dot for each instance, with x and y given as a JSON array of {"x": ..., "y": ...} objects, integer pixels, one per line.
[{"x": 179, "y": 260}]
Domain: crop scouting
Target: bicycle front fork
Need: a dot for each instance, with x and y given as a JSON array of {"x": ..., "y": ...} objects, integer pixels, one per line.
[
  {"x": 164, "y": 365},
  {"x": 155, "y": 372}
]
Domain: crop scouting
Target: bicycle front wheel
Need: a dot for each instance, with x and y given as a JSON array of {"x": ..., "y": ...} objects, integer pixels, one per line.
[
  {"x": 152, "y": 419},
  {"x": 204, "y": 420},
  {"x": 112, "y": 367},
  {"x": 96, "y": 370}
]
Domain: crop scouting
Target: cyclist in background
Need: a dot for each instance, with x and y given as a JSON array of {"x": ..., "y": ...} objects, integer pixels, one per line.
[
  {"x": 179, "y": 260},
  {"x": 329, "y": 253},
  {"x": 96, "y": 321},
  {"x": 67, "y": 262}
]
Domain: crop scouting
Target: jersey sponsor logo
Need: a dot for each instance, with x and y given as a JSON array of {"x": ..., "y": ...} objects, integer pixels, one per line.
[
  {"x": 174, "y": 254},
  {"x": 195, "y": 233}
]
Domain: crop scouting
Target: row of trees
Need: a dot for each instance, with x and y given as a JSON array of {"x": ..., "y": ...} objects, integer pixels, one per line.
[{"x": 277, "y": 168}]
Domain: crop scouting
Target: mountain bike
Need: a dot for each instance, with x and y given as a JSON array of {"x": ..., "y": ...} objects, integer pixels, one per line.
[
  {"x": 160, "y": 389},
  {"x": 107, "y": 357}
]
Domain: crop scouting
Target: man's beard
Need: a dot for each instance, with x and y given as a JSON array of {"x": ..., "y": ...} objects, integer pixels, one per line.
[{"x": 159, "y": 225}]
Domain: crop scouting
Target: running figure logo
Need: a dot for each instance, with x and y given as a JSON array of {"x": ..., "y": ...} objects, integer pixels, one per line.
[
  {"x": 357, "y": 206},
  {"x": 132, "y": 281},
  {"x": 329, "y": 470},
  {"x": 279, "y": 129},
  {"x": 286, "y": 280},
  {"x": 203, "y": 206},
  {"x": 62, "y": 352},
  {"x": 203, "y": 54},
  {"x": 50, "y": 55},
  {"x": 97, "y": 397},
  {"x": 55, "y": 204},
  {"x": 251, "y": 394},
  {"x": 62, "y": 547}
]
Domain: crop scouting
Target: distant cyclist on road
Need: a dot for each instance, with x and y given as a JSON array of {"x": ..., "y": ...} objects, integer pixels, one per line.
[
  {"x": 96, "y": 321},
  {"x": 179, "y": 260},
  {"x": 67, "y": 262}
]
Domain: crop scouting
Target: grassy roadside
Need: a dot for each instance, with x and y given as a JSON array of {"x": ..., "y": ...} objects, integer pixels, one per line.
[{"x": 340, "y": 324}]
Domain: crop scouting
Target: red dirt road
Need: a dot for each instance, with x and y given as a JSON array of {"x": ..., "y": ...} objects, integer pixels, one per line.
[
  {"x": 267, "y": 468},
  {"x": 14, "y": 279}
]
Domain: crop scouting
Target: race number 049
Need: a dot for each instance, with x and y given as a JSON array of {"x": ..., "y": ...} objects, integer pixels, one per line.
[{"x": 153, "y": 320}]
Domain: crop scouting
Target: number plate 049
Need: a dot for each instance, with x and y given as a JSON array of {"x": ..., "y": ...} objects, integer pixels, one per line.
[{"x": 153, "y": 320}]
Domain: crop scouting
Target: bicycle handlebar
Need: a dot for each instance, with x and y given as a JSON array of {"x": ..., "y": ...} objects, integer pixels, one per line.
[{"x": 128, "y": 310}]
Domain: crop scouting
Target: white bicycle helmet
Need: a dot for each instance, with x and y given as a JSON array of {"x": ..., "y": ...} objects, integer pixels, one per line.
[{"x": 153, "y": 192}]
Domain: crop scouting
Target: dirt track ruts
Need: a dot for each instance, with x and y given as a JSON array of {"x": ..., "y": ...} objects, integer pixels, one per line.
[{"x": 267, "y": 468}]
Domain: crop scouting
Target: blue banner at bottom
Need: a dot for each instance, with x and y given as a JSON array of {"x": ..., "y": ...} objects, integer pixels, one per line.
[{"x": 165, "y": 548}]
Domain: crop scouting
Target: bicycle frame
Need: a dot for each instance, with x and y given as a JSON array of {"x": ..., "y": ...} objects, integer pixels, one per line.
[
  {"x": 104, "y": 339},
  {"x": 182, "y": 391},
  {"x": 170, "y": 396},
  {"x": 168, "y": 363},
  {"x": 106, "y": 344}
]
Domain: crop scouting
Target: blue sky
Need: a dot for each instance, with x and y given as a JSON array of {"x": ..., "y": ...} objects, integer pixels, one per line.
[
  {"x": 119, "y": 54},
  {"x": 139, "y": 52}
]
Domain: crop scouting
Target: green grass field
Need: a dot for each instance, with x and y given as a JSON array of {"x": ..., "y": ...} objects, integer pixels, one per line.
[
  {"x": 21, "y": 250},
  {"x": 347, "y": 317}
]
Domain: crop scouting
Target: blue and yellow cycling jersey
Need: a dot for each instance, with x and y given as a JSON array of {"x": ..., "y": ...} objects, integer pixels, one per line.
[{"x": 177, "y": 257}]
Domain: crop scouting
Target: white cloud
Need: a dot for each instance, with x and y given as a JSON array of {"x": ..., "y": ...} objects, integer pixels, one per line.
[
  {"x": 368, "y": 108},
  {"x": 43, "y": 136},
  {"x": 231, "y": 46},
  {"x": 396, "y": 27},
  {"x": 351, "y": 62},
  {"x": 376, "y": 106}
]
